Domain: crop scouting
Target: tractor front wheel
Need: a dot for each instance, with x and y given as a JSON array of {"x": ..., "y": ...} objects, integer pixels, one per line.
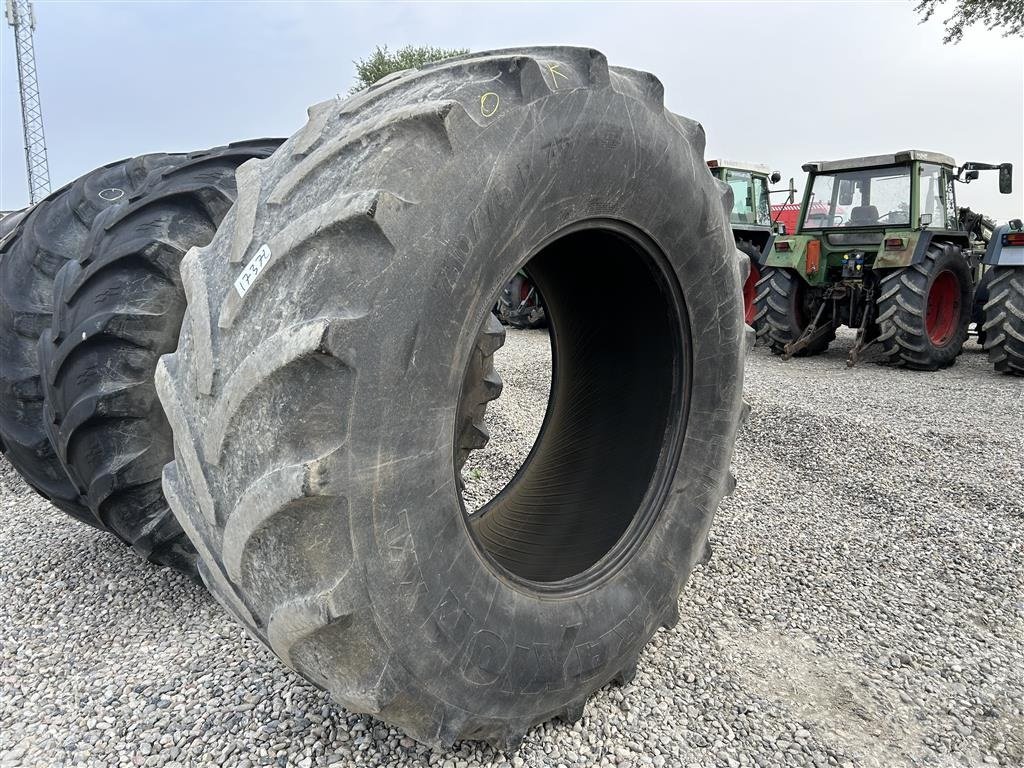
[
  {"x": 1003, "y": 324},
  {"x": 924, "y": 310},
  {"x": 783, "y": 307}
]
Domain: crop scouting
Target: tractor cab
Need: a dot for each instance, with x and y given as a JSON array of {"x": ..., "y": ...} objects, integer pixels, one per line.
[
  {"x": 751, "y": 210},
  {"x": 876, "y": 212},
  {"x": 750, "y": 218},
  {"x": 880, "y": 246}
]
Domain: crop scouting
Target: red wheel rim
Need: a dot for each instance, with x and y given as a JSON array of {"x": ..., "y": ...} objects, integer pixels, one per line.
[
  {"x": 749, "y": 291},
  {"x": 943, "y": 309}
]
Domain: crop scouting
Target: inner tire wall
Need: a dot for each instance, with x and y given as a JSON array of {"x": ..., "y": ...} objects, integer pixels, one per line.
[
  {"x": 610, "y": 402},
  {"x": 117, "y": 309}
]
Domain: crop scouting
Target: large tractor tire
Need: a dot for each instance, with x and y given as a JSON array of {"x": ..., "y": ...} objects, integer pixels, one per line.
[
  {"x": 923, "y": 311},
  {"x": 753, "y": 254},
  {"x": 117, "y": 308},
  {"x": 783, "y": 308},
  {"x": 46, "y": 237},
  {"x": 317, "y": 388},
  {"x": 1003, "y": 324}
]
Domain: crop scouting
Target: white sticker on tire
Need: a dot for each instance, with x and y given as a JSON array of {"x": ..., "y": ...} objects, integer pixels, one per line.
[{"x": 252, "y": 270}]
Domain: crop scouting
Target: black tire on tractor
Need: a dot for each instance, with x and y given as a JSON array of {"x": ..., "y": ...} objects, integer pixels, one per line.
[
  {"x": 923, "y": 311},
  {"x": 783, "y": 310},
  {"x": 316, "y": 388},
  {"x": 47, "y": 236},
  {"x": 1004, "y": 320},
  {"x": 117, "y": 308},
  {"x": 753, "y": 254},
  {"x": 978, "y": 306}
]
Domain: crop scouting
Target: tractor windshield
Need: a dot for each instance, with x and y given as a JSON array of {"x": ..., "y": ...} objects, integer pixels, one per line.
[
  {"x": 749, "y": 197},
  {"x": 863, "y": 197}
]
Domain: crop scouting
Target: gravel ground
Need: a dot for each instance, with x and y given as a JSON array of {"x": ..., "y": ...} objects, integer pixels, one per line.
[{"x": 864, "y": 606}]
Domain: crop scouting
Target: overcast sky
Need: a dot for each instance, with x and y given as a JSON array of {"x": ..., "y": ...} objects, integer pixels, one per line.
[{"x": 774, "y": 82}]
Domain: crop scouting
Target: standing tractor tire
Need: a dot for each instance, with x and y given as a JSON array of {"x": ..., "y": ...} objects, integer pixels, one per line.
[
  {"x": 316, "y": 391},
  {"x": 783, "y": 309},
  {"x": 47, "y": 236},
  {"x": 923, "y": 311},
  {"x": 753, "y": 254},
  {"x": 117, "y": 308},
  {"x": 1003, "y": 323}
]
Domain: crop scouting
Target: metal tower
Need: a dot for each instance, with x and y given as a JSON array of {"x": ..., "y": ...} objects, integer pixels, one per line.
[{"x": 21, "y": 16}]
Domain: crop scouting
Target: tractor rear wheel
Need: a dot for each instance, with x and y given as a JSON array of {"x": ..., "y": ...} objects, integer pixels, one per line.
[
  {"x": 1004, "y": 320},
  {"x": 753, "y": 254},
  {"x": 324, "y": 360},
  {"x": 923, "y": 311},
  {"x": 784, "y": 307},
  {"x": 117, "y": 307}
]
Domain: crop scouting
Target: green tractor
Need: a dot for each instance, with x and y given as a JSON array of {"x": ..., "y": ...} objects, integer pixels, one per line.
[
  {"x": 882, "y": 247},
  {"x": 751, "y": 218}
]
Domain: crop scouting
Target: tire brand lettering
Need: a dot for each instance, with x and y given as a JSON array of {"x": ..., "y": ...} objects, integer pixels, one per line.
[{"x": 252, "y": 270}]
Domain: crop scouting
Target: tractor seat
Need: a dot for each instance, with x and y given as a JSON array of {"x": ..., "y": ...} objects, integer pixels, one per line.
[{"x": 863, "y": 216}]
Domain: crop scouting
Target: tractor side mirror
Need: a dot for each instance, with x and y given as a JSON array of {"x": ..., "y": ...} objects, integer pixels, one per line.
[
  {"x": 1005, "y": 178},
  {"x": 845, "y": 192},
  {"x": 970, "y": 175},
  {"x": 775, "y": 178}
]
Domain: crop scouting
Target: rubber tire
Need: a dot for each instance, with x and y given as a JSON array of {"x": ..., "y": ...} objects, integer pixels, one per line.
[
  {"x": 314, "y": 417},
  {"x": 777, "y": 320},
  {"x": 901, "y": 305},
  {"x": 978, "y": 306},
  {"x": 753, "y": 254},
  {"x": 1004, "y": 320},
  {"x": 54, "y": 231},
  {"x": 117, "y": 309}
]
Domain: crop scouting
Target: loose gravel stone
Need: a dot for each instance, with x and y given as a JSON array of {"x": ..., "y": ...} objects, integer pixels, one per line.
[{"x": 864, "y": 605}]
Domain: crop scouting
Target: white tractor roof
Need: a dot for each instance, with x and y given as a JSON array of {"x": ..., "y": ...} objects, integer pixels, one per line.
[
  {"x": 740, "y": 166},
  {"x": 897, "y": 158}
]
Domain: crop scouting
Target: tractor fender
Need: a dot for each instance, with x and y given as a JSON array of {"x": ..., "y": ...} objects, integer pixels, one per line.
[{"x": 997, "y": 254}]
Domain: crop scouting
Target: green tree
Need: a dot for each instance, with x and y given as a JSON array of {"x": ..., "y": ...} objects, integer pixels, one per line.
[
  {"x": 383, "y": 62},
  {"x": 1007, "y": 15}
]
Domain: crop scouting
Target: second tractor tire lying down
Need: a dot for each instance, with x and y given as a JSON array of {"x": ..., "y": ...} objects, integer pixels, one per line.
[
  {"x": 327, "y": 356},
  {"x": 97, "y": 262}
]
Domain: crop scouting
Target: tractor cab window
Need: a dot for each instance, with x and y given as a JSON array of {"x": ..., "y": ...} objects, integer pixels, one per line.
[
  {"x": 867, "y": 197},
  {"x": 749, "y": 197},
  {"x": 742, "y": 196},
  {"x": 933, "y": 191}
]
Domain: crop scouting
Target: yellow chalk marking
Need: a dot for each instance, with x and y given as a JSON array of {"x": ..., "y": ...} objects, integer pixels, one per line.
[
  {"x": 555, "y": 73},
  {"x": 487, "y": 98}
]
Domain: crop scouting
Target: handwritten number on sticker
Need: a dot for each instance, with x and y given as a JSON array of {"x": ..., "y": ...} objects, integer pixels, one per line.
[
  {"x": 252, "y": 270},
  {"x": 489, "y": 103}
]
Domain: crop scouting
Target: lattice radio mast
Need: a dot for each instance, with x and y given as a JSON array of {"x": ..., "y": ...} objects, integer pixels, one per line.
[{"x": 21, "y": 16}]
